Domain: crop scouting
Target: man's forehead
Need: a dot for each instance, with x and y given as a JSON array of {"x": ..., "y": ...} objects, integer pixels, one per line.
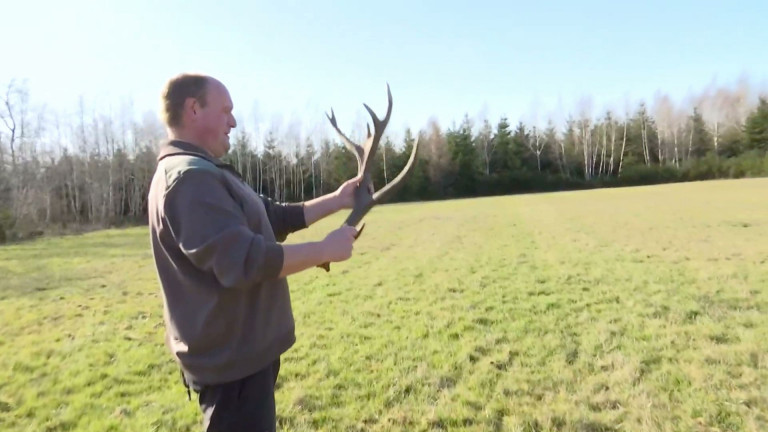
[{"x": 221, "y": 89}]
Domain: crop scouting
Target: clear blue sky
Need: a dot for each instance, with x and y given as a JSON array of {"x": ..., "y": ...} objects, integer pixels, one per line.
[{"x": 295, "y": 59}]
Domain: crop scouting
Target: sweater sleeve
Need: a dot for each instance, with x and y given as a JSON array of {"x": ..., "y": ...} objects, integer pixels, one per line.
[
  {"x": 284, "y": 218},
  {"x": 212, "y": 232}
]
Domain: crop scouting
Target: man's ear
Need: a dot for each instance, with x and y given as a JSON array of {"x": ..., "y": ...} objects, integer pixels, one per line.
[{"x": 191, "y": 106}]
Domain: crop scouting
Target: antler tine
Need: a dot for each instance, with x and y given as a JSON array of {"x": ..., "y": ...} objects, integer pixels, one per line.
[
  {"x": 387, "y": 191},
  {"x": 379, "y": 125},
  {"x": 372, "y": 143},
  {"x": 356, "y": 149}
]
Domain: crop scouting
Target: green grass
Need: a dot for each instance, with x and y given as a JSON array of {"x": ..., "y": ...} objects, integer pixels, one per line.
[{"x": 528, "y": 313}]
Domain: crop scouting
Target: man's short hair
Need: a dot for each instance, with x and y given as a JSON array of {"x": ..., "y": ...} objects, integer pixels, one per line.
[{"x": 176, "y": 92}]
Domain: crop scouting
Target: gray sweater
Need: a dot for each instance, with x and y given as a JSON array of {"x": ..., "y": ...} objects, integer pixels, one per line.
[{"x": 215, "y": 244}]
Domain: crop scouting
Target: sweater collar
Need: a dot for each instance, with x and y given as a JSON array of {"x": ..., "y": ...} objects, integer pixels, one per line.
[{"x": 179, "y": 147}]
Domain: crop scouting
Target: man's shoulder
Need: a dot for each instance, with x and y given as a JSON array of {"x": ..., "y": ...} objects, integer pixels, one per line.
[{"x": 174, "y": 167}]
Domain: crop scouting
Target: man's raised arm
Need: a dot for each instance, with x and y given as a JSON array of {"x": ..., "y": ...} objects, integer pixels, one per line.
[{"x": 326, "y": 205}]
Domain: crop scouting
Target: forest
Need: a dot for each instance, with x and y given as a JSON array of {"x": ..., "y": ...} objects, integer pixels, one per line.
[{"x": 86, "y": 170}]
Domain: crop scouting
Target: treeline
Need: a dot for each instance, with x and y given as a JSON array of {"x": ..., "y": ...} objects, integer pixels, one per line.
[{"x": 92, "y": 170}]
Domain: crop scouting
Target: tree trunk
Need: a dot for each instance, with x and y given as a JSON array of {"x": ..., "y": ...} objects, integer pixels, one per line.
[
  {"x": 658, "y": 137},
  {"x": 538, "y": 150},
  {"x": 384, "y": 154},
  {"x": 301, "y": 180},
  {"x": 284, "y": 183},
  {"x": 605, "y": 144},
  {"x": 314, "y": 192},
  {"x": 644, "y": 136},
  {"x": 86, "y": 160},
  {"x": 690, "y": 142},
  {"x": 74, "y": 192},
  {"x": 248, "y": 170},
  {"x": 10, "y": 123},
  {"x": 584, "y": 137},
  {"x": 321, "y": 176},
  {"x": 674, "y": 138},
  {"x": 566, "y": 171},
  {"x": 623, "y": 146},
  {"x": 613, "y": 142},
  {"x": 259, "y": 175}
]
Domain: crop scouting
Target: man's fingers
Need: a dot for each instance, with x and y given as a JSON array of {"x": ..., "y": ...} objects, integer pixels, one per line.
[{"x": 352, "y": 231}]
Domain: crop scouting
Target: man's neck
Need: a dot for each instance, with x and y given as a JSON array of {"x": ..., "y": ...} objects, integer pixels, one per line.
[{"x": 181, "y": 136}]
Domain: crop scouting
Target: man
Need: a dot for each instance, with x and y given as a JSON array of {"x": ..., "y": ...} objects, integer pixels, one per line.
[{"x": 222, "y": 268}]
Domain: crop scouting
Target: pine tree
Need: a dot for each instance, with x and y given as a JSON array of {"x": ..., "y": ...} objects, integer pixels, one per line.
[
  {"x": 756, "y": 127},
  {"x": 502, "y": 160},
  {"x": 699, "y": 138},
  {"x": 465, "y": 159}
]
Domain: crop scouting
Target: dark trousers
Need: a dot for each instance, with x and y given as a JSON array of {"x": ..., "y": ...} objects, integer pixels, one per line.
[{"x": 247, "y": 404}]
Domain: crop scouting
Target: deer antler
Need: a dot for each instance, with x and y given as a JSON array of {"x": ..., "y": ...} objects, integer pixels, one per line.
[
  {"x": 354, "y": 148},
  {"x": 365, "y": 198}
]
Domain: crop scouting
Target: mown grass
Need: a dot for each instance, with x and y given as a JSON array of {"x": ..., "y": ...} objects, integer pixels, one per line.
[{"x": 607, "y": 310}]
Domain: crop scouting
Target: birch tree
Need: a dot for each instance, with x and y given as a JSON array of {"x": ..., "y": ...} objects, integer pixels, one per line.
[
  {"x": 664, "y": 112},
  {"x": 584, "y": 135},
  {"x": 536, "y": 144},
  {"x": 486, "y": 145}
]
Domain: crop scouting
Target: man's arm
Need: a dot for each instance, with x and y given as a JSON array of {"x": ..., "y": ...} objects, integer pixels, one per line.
[
  {"x": 321, "y": 207},
  {"x": 326, "y": 205},
  {"x": 337, "y": 246},
  {"x": 284, "y": 218},
  {"x": 211, "y": 231},
  {"x": 287, "y": 218}
]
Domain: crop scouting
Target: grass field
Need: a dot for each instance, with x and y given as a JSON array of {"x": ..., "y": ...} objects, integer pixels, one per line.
[{"x": 528, "y": 313}]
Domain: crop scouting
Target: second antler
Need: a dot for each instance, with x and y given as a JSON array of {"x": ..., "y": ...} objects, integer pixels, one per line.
[{"x": 365, "y": 197}]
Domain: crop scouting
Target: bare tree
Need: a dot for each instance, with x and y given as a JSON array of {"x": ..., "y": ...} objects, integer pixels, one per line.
[
  {"x": 9, "y": 116},
  {"x": 607, "y": 132},
  {"x": 741, "y": 103},
  {"x": 712, "y": 111},
  {"x": 23, "y": 175},
  {"x": 643, "y": 117},
  {"x": 677, "y": 126},
  {"x": 584, "y": 135},
  {"x": 666, "y": 125},
  {"x": 437, "y": 150},
  {"x": 536, "y": 145},
  {"x": 726, "y": 110},
  {"x": 623, "y": 141},
  {"x": 604, "y": 149},
  {"x": 569, "y": 135},
  {"x": 2, "y": 163},
  {"x": 385, "y": 147}
]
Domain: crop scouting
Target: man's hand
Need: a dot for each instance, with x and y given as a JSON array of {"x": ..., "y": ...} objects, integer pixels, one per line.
[
  {"x": 345, "y": 194},
  {"x": 337, "y": 246}
]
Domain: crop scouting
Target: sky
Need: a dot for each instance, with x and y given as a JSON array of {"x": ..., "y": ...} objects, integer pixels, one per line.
[{"x": 288, "y": 62}]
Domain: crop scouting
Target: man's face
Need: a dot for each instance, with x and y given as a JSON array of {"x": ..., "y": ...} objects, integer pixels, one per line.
[{"x": 213, "y": 122}]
